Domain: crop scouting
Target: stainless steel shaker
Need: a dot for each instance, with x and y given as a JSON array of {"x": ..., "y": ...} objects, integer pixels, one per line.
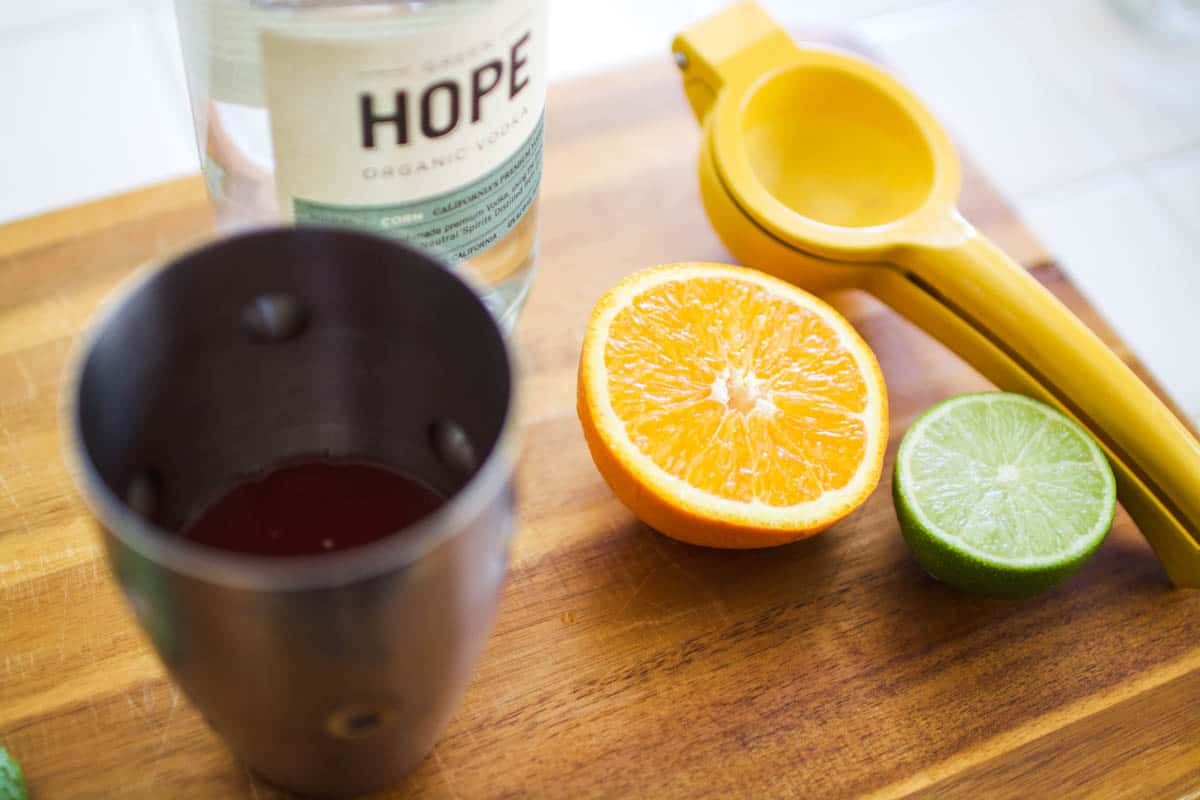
[{"x": 331, "y": 674}]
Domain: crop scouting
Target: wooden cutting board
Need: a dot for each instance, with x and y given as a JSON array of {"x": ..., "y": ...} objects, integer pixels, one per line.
[{"x": 623, "y": 664}]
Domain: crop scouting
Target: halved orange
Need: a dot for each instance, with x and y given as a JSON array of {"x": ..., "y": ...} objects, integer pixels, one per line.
[{"x": 728, "y": 408}]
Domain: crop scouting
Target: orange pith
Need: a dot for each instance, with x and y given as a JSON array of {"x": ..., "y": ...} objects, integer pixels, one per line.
[{"x": 728, "y": 408}]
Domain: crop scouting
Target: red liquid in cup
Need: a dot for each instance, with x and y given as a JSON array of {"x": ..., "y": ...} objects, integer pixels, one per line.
[{"x": 312, "y": 508}]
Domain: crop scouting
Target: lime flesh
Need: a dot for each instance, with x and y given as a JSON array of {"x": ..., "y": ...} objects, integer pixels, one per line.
[{"x": 1001, "y": 495}]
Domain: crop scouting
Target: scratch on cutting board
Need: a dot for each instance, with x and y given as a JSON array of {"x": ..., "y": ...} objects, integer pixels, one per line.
[
  {"x": 251, "y": 781},
  {"x": 62, "y": 306},
  {"x": 19, "y": 663},
  {"x": 47, "y": 562},
  {"x": 641, "y": 585},
  {"x": 163, "y": 732},
  {"x": 447, "y": 774},
  {"x": 31, "y": 391},
  {"x": 12, "y": 498},
  {"x": 717, "y": 602},
  {"x": 146, "y": 706},
  {"x": 95, "y": 716},
  {"x": 66, "y": 584}
]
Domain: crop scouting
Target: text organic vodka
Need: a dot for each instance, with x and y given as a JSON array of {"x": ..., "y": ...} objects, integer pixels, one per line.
[{"x": 419, "y": 120}]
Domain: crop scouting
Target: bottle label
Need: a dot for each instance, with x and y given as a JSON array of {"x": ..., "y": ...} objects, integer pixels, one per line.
[{"x": 427, "y": 127}]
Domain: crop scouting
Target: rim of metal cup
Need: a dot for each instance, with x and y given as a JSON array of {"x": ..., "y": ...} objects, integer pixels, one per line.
[{"x": 254, "y": 572}]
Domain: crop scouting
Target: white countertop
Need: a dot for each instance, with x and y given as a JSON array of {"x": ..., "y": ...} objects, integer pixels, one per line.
[{"x": 1090, "y": 125}]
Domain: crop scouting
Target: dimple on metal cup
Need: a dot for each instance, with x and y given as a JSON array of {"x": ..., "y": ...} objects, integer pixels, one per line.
[{"x": 331, "y": 674}]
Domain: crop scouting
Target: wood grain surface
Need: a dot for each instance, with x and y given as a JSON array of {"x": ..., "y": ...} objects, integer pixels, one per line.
[{"x": 623, "y": 664}]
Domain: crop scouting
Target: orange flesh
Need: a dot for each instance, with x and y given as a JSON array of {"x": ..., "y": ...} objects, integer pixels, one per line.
[{"x": 737, "y": 391}]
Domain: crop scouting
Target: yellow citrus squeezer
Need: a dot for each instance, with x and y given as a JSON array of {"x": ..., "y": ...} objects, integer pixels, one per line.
[{"x": 820, "y": 168}]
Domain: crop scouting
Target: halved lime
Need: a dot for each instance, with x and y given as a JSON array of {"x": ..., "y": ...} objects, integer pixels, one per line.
[{"x": 1001, "y": 495}]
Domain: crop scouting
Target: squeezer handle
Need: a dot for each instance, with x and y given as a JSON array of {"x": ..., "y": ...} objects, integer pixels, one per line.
[{"x": 1026, "y": 340}]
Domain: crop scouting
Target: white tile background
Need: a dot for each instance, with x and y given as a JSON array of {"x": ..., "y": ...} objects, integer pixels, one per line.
[{"x": 1089, "y": 124}]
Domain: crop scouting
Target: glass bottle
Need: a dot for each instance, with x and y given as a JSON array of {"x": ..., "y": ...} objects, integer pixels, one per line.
[{"x": 419, "y": 119}]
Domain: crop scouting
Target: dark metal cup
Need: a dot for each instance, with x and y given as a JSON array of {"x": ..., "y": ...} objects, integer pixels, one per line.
[{"x": 330, "y": 674}]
